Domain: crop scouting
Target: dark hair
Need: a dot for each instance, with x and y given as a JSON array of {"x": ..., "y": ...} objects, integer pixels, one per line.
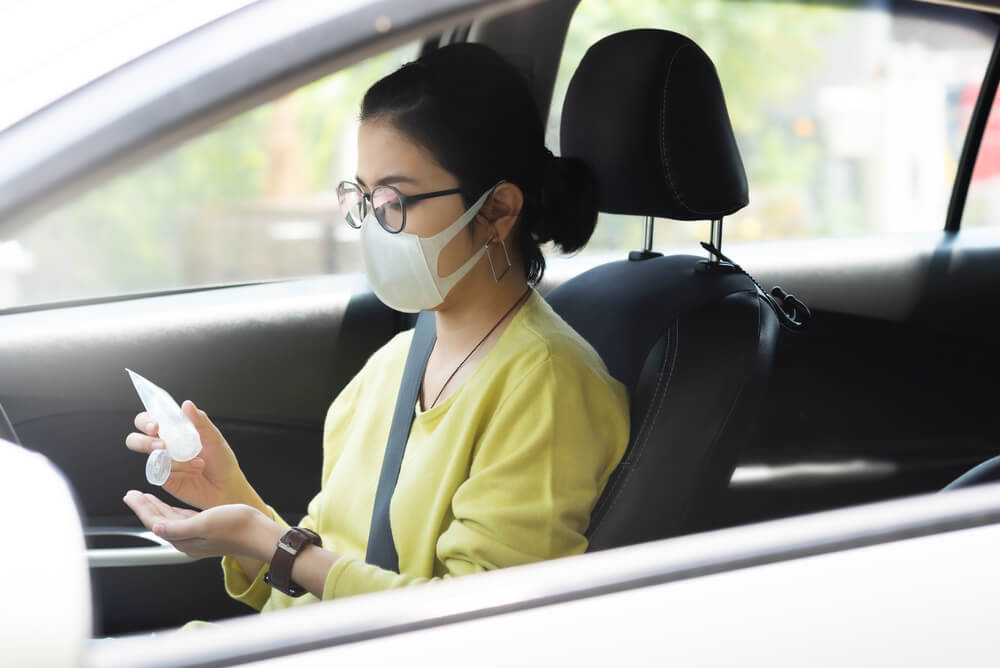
[{"x": 473, "y": 111}]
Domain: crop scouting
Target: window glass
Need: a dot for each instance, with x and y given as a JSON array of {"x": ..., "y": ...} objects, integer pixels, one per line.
[
  {"x": 850, "y": 116},
  {"x": 982, "y": 206},
  {"x": 253, "y": 199}
]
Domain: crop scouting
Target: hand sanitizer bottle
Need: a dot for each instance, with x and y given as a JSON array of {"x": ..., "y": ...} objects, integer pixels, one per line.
[{"x": 176, "y": 431}]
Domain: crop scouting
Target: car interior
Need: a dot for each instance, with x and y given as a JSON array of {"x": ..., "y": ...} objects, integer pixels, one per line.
[{"x": 742, "y": 409}]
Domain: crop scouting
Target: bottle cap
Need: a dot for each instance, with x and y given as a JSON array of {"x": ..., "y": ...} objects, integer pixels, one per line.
[{"x": 158, "y": 467}]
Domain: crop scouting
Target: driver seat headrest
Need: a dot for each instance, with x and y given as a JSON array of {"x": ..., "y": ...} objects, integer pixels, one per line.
[{"x": 645, "y": 110}]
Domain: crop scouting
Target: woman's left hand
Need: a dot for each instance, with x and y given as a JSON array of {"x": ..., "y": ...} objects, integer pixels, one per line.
[{"x": 234, "y": 530}]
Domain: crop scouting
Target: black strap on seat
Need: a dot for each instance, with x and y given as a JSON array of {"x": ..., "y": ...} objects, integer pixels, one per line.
[
  {"x": 791, "y": 312},
  {"x": 381, "y": 547}
]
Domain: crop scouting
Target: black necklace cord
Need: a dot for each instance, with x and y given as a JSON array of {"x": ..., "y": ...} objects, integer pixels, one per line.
[
  {"x": 792, "y": 313},
  {"x": 524, "y": 294}
]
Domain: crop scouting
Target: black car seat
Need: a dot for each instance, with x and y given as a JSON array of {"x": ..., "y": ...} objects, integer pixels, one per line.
[{"x": 692, "y": 340}]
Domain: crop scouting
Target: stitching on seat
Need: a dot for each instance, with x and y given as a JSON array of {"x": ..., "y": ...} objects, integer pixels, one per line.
[
  {"x": 660, "y": 383},
  {"x": 736, "y": 401},
  {"x": 663, "y": 140},
  {"x": 663, "y": 125},
  {"x": 644, "y": 433},
  {"x": 743, "y": 385},
  {"x": 623, "y": 480}
]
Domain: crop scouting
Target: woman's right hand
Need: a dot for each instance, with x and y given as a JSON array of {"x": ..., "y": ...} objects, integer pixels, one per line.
[{"x": 213, "y": 478}]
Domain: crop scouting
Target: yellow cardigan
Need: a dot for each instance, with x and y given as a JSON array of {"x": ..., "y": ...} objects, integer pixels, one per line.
[{"x": 504, "y": 471}]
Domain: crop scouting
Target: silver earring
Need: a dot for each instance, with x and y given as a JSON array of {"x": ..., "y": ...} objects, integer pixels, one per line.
[{"x": 489, "y": 256}]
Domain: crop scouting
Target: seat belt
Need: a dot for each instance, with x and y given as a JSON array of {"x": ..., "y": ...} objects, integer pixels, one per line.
[{"x": 381, "y": 548}]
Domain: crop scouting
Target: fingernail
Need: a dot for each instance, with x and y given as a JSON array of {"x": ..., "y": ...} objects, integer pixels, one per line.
[
  {"x": 158, "y": 529},
  {"x": 150, "y": 426},
  {"x": 158, "y": 445}
]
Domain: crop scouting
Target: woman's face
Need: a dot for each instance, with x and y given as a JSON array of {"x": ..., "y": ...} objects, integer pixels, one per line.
[{"x": 388, "y": 157}]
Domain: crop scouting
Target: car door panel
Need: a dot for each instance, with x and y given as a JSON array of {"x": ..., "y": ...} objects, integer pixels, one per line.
[
  {"x": 264, "y": 361},
  {"x": 892, "y": 388}
]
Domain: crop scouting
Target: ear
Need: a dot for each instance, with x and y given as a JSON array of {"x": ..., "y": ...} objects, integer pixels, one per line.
[{"x": 503, "y": 209}]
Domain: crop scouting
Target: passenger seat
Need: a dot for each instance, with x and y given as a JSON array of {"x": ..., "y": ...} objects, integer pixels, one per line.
[{"x": 692, "y": 340}]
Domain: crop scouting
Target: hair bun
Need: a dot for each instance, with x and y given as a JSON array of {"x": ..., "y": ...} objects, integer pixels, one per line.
[{"x": 567, "y": 203}]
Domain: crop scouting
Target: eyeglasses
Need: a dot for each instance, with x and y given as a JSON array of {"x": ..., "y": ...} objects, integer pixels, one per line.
[{"x": 388, "y": 204}]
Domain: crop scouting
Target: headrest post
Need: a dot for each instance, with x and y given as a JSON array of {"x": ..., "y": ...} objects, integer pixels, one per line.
[
  {"x": 647, "y": 235},
  {"x": 647, "y": 251},
  {"x": 715, "y": 263},
  {"x": 715, "y": 240}
]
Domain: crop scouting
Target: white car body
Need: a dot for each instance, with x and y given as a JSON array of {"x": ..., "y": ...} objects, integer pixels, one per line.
[{"x": 909, "y": 582}]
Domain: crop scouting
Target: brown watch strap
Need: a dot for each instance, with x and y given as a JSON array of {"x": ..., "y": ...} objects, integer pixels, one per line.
[{"x": 279, "y": 575}]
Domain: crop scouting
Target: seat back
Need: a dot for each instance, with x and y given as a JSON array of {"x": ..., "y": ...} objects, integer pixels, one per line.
[{"x": 693, "y": 343}]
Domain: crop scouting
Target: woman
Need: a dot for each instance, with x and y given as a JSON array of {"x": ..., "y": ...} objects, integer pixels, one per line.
[{"x": 518, "y": 424}]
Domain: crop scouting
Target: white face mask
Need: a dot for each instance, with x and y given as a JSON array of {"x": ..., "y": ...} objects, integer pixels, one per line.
[{"x": 402, "y": 267}]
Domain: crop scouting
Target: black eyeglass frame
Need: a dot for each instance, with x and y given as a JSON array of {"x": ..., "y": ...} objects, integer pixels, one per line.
[{"x": 367, "y": 200}]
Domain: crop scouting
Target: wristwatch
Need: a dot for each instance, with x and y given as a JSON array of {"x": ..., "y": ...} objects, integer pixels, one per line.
[{"x": 279, "y": 575}]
